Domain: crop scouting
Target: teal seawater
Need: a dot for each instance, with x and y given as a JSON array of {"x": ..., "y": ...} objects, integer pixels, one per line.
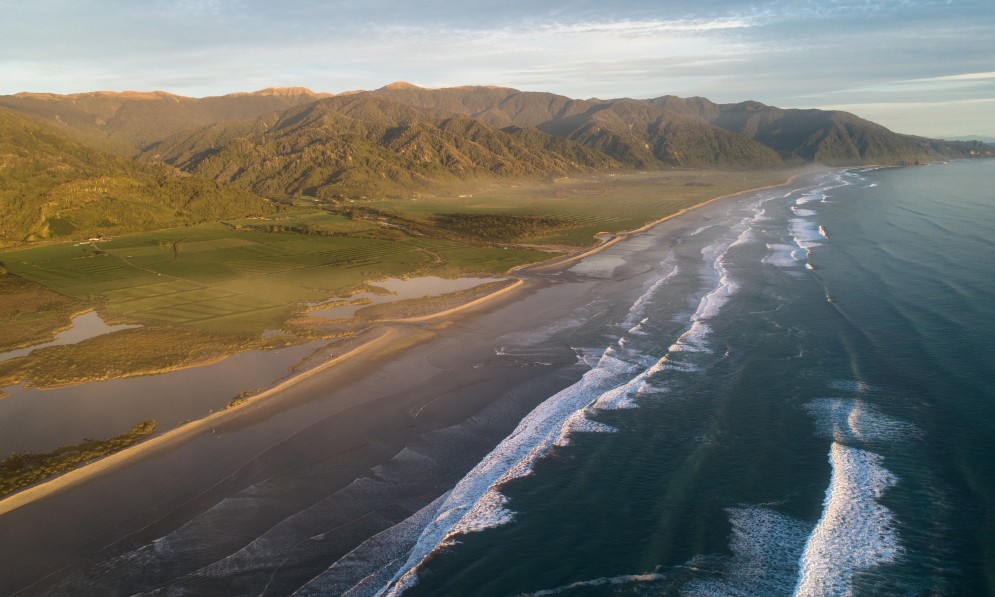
[{"x": 798, "y": 399}]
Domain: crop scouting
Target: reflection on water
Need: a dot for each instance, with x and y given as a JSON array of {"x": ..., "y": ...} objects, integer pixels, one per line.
[
  {"x": 85, "y": 326},
  {"x": 33, "y": 420},
  {"x": 411, "y": 288}
]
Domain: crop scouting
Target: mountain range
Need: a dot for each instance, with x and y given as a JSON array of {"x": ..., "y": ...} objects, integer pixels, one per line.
[
  {"x": 160, "y": 149},
  {"x": 54, "y": 187}
]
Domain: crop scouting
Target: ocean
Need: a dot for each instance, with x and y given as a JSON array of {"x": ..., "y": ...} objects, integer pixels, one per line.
[
  {"x": 796, "y": 399},
  {"x": 789, "y": 392}
]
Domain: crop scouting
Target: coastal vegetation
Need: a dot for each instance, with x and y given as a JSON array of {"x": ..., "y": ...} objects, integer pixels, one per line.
[
  {"x": 20, "y": 470},
  {"x": 136, "y": 351},
  {"x": 55, "y": 188},
  {"x": 202, "y": 292},
  {"x": 570, "y": 212},
  {"x": 32, "y": 314},
  {"x": 240, "y": 280}
]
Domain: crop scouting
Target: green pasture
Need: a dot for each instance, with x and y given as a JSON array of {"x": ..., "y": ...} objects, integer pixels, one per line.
[
  {"x": 244, "y": 276},
  {"x": 239, "y": 277},
  {"x": 589, "y": 205}
]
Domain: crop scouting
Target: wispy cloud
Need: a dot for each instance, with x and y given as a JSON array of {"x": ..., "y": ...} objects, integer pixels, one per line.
[
  {"x": 940, "y": 118},
  {"x": 910, "y": 104},
  {"x": 962, "y": 77},
  {"x": 647, "y": 27},
  {"x": 792, "y": 53}
]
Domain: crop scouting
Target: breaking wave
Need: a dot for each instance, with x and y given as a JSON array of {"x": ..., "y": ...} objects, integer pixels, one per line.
[
  {"x": 766, "y": 547},
  {"x": 855, "y": 531},
  {"x": 618, "y": 378}
]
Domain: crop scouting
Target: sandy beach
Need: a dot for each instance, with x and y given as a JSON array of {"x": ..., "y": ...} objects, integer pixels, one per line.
[
  {"x": 373, "y": 344},
  {"x": 434, "y": 386}
]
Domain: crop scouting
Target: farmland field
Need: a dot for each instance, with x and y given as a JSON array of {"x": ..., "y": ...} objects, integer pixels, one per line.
[
  {"x": 587, "y": 206},
  {"x": 213, "y": 289},
  {"x": 218, "y": 278}
]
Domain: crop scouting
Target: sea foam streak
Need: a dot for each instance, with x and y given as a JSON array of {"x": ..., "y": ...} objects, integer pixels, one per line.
[
  {"x": 766, "y": 547},
  {"x": 850, "y": 420},
  {"x": 855, "y": 532},
  {"x": 780, "y": 255},
  {"x": 805, "y": 233},
  {"x": 638, "y": 308},
  {"x": 476, "y": 502}
]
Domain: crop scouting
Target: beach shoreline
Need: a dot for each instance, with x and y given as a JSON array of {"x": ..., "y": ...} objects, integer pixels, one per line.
[{"x": 384, "y": 339}]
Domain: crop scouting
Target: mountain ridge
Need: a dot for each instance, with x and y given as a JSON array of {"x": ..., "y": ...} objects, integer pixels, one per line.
[
  {"x": 126, "y": 122},
  {"x": 354, "y": 144},
  {"x": 53, "y": 187},
  {"x": 403, "y": 138}
]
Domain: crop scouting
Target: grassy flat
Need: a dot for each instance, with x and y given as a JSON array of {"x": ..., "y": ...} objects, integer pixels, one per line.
[
  {"x": 32, "y": 314},
  {"x": 208, "y": 290},
  {"x": 217, "y": 278},
  {"x": 585, "y": 206}
]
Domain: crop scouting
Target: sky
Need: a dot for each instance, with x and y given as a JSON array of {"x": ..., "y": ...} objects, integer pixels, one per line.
[{"x": 923, "y": 67}]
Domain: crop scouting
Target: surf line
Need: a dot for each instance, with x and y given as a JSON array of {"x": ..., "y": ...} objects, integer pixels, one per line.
[
  {"x": 620, "y": 236},
  {"x": 855, "y": 531},
  {"x": 476, "y": 502}
]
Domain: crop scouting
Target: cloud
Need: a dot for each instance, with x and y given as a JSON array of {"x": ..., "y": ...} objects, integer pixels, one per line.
[
  {"x": 963, "y": 77},
  {"x": 648, "y": 27},
  {"x": 942, "y": 118},
  {"x": 782, "y": 52}
]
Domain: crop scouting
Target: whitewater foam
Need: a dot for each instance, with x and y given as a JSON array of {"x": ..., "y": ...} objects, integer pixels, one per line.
[
  {"x": 811, "y": 196},
  {"x": 579, "y": 423},
  {"x": 779, "y": 255},
  {"x": 638, "y": 309},
  {"x": 805, "y": 233},
  {"x": 850, "y": 421},
  {"x": 855, "y": 532},
  {"x": 476, "y": 502},
  {"x": 588, "y": 356},
  {"x": 638, "y": 330},
  {"x": 766, "y": 547}
]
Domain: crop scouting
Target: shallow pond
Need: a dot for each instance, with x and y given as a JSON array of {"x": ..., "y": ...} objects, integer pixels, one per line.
[
  {"x": 410, "y": 288},
  {"x": 84, "y": 326},
  {"x": 33, "y": 420}
]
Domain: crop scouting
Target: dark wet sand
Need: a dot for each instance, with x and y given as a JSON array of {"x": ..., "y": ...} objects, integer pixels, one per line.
[
  {"x": 351, "y": 418},
  {"x": 349, "y": 452}
]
